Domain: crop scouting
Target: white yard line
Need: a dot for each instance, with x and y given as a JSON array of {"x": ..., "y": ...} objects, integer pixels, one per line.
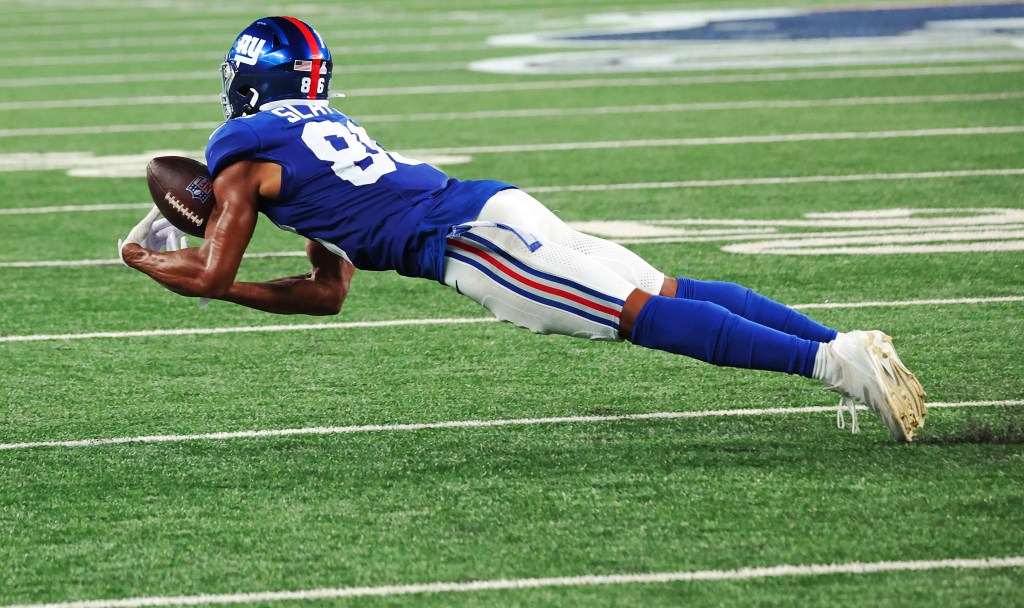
[
  {"x": 48, "y": 81},
  {"x": 724, "y": 141},
  {"x": 656, "y": 81},
  {"x": 109, "y": 129},
  {"x": 73, "y": 59},
  {"x": 500, "y": 87},
  {"x": 115, "y": 261},
  {"x": 211, "y": 75},
  {"x": 98, "y": 79},
  {"x": 75, "y": 208},
  {"x": 496, "y": 114},
  {"x": 15, "y": 49},
  {"x": 569, "y": 581},
  {"x": 205, "y": 331},
  {"x": 724, "y": 235},
  {"x": 701, "y": 183},
  {"x": 765, "y": 104},
  {"x": 330, "y": 22},
  {"x": 549, "y": 112},
  {"x": 775, "y": 181},
  {"x": 466, "y": 424},
  {"x": 63, "y": 263},
  {"x": 589, "y": 580},
  {"x": 883, "y": 304},
  {"x": 705, "y": 141}
]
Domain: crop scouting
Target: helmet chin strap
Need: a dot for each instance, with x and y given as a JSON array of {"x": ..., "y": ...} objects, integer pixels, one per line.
[{"x": 250, "y": 106}]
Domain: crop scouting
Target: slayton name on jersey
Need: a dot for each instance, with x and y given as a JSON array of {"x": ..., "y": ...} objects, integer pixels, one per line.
[{"x": 293, "y": 114}]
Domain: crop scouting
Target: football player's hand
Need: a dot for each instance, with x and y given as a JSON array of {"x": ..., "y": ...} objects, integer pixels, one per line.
[
  {"x": 163, "y": 236},
  {"x": 139, "y": 233},
  {"x": 152, "y": 233}
]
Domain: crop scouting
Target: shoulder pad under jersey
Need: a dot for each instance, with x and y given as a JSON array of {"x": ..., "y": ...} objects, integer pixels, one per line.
[{"x": 233, "y": 141}]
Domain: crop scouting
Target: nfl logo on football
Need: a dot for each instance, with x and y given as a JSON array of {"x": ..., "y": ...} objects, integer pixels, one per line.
[{"x": 200, "y": 188}]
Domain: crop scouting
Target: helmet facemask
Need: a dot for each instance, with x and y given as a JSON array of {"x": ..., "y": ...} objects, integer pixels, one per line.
[{"x": 227, "y": 76}]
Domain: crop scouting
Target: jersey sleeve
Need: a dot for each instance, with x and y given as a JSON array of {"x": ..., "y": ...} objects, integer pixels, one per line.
[{"x": 232, "y": 142}]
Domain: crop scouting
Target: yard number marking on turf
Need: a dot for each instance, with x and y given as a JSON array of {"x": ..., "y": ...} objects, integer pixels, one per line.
[{"x": 868, "y": 232}]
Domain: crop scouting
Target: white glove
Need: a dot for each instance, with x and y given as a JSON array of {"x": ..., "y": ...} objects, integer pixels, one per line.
[
  {"x": 165, "y": 236},
  {"x": 153, "y": 234},
  {"x": 139, "y": 233}
]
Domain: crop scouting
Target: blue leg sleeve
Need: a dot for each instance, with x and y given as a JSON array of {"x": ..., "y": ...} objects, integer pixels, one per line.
[
  {"x": 753, "y": 306},
  {"x": 709, "y": 332}
]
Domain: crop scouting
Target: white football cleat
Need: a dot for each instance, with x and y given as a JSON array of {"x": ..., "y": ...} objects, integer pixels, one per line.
[{"x": 871, "y": 372}]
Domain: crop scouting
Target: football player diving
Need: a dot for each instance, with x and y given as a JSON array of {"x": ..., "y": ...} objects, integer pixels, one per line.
[{"x": 285, "y": 152}]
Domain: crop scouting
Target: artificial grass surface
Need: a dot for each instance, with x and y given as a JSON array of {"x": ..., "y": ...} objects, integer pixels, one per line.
[{"x": 402, "y": 507}]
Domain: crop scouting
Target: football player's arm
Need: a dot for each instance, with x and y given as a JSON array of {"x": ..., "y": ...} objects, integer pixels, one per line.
[
  {"x": 321, "y": 291},
  {"x": 209, "y": 271}
]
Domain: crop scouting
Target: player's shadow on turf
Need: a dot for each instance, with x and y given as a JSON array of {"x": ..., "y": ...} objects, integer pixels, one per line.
[{"x": 978, "y": 431}]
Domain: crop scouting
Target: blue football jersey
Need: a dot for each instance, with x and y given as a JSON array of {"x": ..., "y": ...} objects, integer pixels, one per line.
[{"x": 376, "y": 208}]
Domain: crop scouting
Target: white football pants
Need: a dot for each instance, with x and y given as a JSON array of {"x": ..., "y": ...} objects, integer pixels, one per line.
[{"x": 529, "y": 268}]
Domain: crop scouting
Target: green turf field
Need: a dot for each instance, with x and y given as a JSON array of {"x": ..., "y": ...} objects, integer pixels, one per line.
[{"x": 589, "y": 460}]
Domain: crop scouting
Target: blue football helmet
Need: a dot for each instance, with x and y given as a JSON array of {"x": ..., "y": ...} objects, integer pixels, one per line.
[{"x": 275, "y": 58}]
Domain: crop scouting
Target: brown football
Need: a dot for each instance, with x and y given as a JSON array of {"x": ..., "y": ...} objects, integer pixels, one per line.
[{"x": 183, "y": 191}]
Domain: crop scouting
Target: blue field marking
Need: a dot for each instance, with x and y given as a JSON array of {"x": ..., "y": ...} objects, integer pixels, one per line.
[{"x": 847, "y": 23}]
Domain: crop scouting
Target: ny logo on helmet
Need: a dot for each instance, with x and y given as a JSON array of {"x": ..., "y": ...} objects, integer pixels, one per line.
[{"x": 248, "y": 49}]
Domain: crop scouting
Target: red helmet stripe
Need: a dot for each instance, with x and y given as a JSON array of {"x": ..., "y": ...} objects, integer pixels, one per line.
[
  {"x": 314, "y": 80},
  {"x": 315, "y": 55}
]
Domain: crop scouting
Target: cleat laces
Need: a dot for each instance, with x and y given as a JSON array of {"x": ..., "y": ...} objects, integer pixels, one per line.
[{"x": 851, "y": 404}]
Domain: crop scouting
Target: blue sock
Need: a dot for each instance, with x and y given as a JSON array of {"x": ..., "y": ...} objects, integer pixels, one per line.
[
  {"x": 709, "y": 332},
  {"x": 753, "y": 306}
]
